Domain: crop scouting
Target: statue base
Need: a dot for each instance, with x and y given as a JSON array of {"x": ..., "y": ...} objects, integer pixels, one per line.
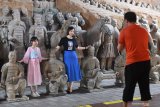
[
  {"x": 23, "y": 98},
  {"x": 85, "y": 89},
  {"x": 58, "y": 94}
]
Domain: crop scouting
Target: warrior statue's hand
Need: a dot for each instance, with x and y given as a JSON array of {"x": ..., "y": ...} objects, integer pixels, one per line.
[
  {"x": 45, "y": 58},
  {"x": 20, "y": 61},
  {"x": 49, "y": 74},
  {"x": 2, "y": 84},
  {"x": 15, "y": 80},
  {"x": 20, "y": 76},
  {"x": 48, "y": 45},
  {"x": 87, "y": 46},
  {"x": 4, "y": 41},
  {"x": 117, "y": 73},
  {"x": 14, "y": 40}
]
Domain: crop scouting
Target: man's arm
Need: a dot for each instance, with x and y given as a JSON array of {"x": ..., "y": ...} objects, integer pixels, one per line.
[
  {"x": 121, "y": 41},
  {"x": 120, "y": 47}
]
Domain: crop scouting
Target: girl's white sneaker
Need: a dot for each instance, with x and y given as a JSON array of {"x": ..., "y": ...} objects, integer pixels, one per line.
[
  {"x": 34, "y": 94},
  {"x": 37, "y": 94}
]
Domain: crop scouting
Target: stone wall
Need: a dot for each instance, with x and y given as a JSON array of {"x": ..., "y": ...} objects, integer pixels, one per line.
[
  {"x": 91, "y": 14},
  {"x": 67, "y": 6},
  {"x": 147, "y": 1},
  {"x": 137, "y": 9},
  {"x": 153, "y": 2}
]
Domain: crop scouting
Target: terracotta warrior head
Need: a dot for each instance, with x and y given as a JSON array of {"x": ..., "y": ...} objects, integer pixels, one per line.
[
  {"x": 16, "y": 14},
  {"x": 91, "y": 51},
  {"x": 38, "y": 21},
  {"x": 5, "y": 10},
  {"x": 12, "y": 57}
]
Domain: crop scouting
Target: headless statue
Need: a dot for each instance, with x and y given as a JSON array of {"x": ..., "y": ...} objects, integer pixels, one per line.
[
  {"x": 55, "y": 70},
  {"x": 91, "y": 69}
]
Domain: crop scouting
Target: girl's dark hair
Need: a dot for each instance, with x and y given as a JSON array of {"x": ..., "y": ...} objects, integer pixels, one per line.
[
  {"x": 34, "y": 39},
  {"x": 69, "y": 29}
]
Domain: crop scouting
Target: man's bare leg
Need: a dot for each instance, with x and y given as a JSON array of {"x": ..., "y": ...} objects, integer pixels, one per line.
[
  {"x": 127, "y": 104},
  {"x": 145, "y": 104}
]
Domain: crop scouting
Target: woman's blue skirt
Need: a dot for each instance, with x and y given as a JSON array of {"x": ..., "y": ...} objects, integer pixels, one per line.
[{"x": 72, "y": 66}]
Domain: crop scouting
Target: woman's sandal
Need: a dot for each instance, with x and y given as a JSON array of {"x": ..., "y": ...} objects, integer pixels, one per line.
[{"x": 69, "y": 91}]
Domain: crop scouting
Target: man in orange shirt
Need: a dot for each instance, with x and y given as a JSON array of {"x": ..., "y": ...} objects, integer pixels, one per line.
[{"x": 135, "y": 40}]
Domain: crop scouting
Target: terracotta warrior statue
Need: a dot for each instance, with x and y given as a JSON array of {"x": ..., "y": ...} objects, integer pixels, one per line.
[
  {"x": 68, "y": 16},
  {"x": 16, "y": 34},
  {"x": 149, "y": 6},
  {"x": 81, "y": 21},
  {"x": 5, "y": 18},
  {"x": 60, "y": 18},
  {"x": 145, "y": 24},
  {"x": 28, "y": 22},
  {"x": 115, "y": 36},
  {"x": 155, "y": 66},
  {"x": 52, "y": 4},
  {"x": 156, "y": 36},
  {"x": 86, "y": 1},
  {"x": 50, "y": 22},
  {"x": 106, "y": 50},
  {"x": 13, "y": 79},
  {"x": 93, "y": 2},
  {"x": 133, "y": 2},
  {"x": 119, "y": 67},
  {"x": 37, "y": 9},
  {"x": 91, "y": 69},
  {"x": 74, "y": 23},
  {"x": 40, "y": 32},
  {"x": 55, "y": 71}
]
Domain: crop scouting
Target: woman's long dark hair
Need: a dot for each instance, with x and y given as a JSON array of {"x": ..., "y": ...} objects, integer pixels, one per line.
[{"x": 69, "y": 29}]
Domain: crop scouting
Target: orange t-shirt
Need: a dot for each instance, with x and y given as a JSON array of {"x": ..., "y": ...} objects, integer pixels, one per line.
[{"x": 135, "y": 40}]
